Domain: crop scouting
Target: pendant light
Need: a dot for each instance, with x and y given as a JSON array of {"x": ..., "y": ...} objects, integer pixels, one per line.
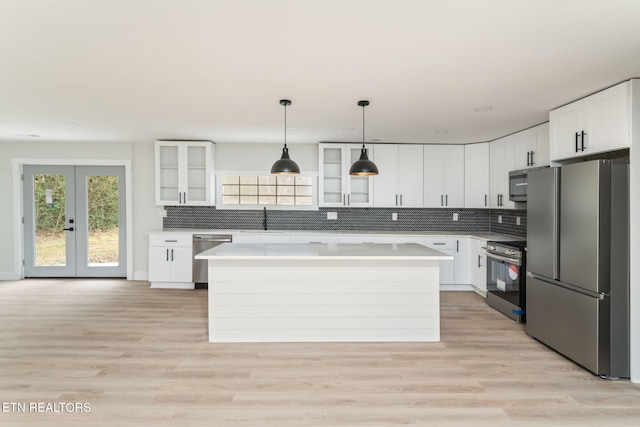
[
  {"x": 363, "y": 166},
  {"x": 285, "y": 165}
]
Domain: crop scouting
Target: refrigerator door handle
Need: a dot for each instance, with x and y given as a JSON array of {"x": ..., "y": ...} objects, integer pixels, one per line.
[{"x": 598, "y": 295}]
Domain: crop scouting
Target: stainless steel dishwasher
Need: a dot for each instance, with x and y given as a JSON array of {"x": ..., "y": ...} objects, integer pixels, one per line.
[{"x": 202, "y": 242}]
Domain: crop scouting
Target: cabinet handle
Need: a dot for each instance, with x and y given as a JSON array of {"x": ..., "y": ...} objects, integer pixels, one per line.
[
  {"x": 348, "y": 199},
  {"x": 170, "y": 241},
  {"x": 344, "y": 200},
  {"x": 439, "y": 243},
  {"x": 171, "y": 255},
  {"x": 441, "y": 200},
  {"x": 532, "y": 162},
  {"x": 528, "y": 157},
  {"x": 583, "y": 133},
  {"x": 577, "y": 136},
  {"x": 167, "y": 254},
  {"x": 457, "y": 245},
  {"x": 479, "y": 258},
  {"x": 401, "y": 200},
  {"x": 184, "y": 197},
  {"x": 485, "y": 200},
  {"x": 446, "y": 200},
  {"x": 396, "y": 200}
]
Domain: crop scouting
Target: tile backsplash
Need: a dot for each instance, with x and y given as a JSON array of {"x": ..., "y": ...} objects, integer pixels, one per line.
[{"x": 348, "y": 219}]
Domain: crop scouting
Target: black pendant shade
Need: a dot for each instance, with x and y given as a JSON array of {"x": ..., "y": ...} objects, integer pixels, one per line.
[
  {"x": 285, "y": 165},
  {"x": 363, "y": 166}
]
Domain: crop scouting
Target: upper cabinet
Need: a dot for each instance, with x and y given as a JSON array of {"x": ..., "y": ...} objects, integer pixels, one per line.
[
  {"x": 336, "y": 187},
  {"x": 532, "y": 147},
  {"x": 444, "y": 176},
  {"x": 595, "y": 124},
  {"x": 185, "y": 173},
  {"x": 476, "y": 175},
  {"x": 503, "y": 160},
  {"x": 399, "y": 182}
]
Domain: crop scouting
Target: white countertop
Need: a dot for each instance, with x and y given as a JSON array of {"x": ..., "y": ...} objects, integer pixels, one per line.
[
  {"x": 366, "y": 251},
  {"x": 488, "y": 235}
]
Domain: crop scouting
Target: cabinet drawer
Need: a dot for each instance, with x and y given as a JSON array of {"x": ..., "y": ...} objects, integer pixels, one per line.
[
  {"x": 440, "y": 244},
  {"x": 170, "y": 239}
]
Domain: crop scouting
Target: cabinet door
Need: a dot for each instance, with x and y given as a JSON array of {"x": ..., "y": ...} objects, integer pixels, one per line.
[
  {"x": 385, "y": 191},
  {"x": 525, "y": 144},
  {"x": 605, "y": 120},
  {"x": 563, "y": 126},
  {"x": 476, "y": 177},
  {"x": 433, "y": 177},
  {"x": 462, "y": 261},
  {"x": 196, "y": 171},
  {"x": 159, "y": 264},
  {"x": 181, "y": 264},
  {"x": 502, "y": 162},
  {"x": 453, "y": 176},
  {"x": 168, "y": 191},
  {"x": 359, "y": 188},
  {"x": 410, "y": 178},
  {"x": 540, "y": 155},
  {"x": 331, "y": 191}
]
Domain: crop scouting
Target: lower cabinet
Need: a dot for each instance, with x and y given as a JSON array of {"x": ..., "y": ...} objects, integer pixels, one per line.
[
  {"x": 171, "y": 260},
  {"x": 478, "y": 264}
]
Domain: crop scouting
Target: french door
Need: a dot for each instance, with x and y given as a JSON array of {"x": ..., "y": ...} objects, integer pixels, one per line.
[{"x": 74, "y": 221}]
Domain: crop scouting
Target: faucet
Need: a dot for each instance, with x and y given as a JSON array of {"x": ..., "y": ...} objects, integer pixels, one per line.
[{"x": 264, "y": 218}]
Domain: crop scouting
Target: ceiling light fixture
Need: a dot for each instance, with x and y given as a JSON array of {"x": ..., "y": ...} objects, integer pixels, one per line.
[
  {"x": 363, "y": 166},
  {"x": 285, "y": 165}
]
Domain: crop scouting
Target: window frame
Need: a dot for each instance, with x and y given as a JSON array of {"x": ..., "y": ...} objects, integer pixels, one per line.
[{"x": 220, "y": 205}]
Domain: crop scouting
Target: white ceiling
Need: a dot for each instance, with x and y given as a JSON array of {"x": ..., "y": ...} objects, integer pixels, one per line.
[{"x": 140, "y": 70}]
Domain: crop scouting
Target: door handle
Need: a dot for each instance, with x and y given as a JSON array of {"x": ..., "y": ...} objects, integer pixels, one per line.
[
  {"x": 583, "y": 133},
  {"x": 532, "y": 153},
  {"x": 528, "y": 157},
  {"x": 577, "y": 135}
]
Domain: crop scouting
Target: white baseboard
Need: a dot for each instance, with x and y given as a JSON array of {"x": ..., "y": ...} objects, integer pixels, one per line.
[
  {"x": 456, "y": 287},
  {"x": 172, "y": 285}
]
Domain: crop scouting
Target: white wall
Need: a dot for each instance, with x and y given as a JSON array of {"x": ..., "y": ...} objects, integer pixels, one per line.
[
  {"x": 257, "y": 157},
  {"x": 139, "y": 155}
]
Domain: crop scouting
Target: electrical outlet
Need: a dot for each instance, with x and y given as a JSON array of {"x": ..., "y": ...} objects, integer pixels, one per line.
[
  {"x": 332, "y": 215},
  {"x": 394, "y": 216},
  {"x": 517, "y": 220},
  {"x": 455, "y": 216},
  {"x": 499, "y": 219}
]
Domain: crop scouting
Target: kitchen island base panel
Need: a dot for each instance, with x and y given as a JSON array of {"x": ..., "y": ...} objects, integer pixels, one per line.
[{"x": 323, "y": 300}]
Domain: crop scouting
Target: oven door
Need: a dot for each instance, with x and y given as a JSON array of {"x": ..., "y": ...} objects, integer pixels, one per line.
[{"x": 503, "y": 274}]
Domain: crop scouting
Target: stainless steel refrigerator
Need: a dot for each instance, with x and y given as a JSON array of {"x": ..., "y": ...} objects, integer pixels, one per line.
[{"x": 578, "y": 263}]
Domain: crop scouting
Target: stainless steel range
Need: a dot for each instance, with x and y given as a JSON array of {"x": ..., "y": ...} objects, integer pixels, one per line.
[{"x": 506, "y": 277}]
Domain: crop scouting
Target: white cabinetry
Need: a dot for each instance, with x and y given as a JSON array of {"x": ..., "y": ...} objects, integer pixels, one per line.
[
  {"x": 532, "y": 147},
  {"x": 502, "y": 162},
  {"x": 476, "y": 175},
  {"x": 444, "y": 176},
  {"x": 336, "y": 186},
  {"x": 400, "y": 180},
  {"x": 595, "y": 124},
  {"x": 184, "y": 173},
  {"x": 170, "y": 260},
  {"x": 478, "y": 265}
]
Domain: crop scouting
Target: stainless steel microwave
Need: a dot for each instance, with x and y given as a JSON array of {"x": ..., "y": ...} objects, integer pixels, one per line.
[{"x": 518, "y": 184}]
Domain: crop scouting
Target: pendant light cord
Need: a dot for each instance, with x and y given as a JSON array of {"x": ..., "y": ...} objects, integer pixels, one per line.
[
  {"x": 363, "y": 126},
  {"x": 285, "y": 125}
]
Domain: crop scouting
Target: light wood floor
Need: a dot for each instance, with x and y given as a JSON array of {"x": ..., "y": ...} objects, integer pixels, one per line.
[{"x": 140, "y": 357}]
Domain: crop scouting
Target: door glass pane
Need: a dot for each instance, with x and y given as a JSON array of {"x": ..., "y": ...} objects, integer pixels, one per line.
[
  {"x": 102, "y": 214},
  {"x": 50, "y": 207}
]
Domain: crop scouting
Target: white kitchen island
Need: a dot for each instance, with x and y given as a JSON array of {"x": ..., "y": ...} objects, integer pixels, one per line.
[{"x": 323, "y": 292}]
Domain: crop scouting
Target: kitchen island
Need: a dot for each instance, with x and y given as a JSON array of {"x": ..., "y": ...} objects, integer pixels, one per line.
[{"x": 323, "y": 292}]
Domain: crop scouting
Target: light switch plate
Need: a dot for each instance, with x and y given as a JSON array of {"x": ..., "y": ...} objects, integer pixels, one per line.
[
  {"x": 332, "y": 215},
  {"x": 455, "y": 216},
  {"x": 394, "y": 216},
  {"x": 517, "y": 220},
  {"x": 499, "y": 219}
]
